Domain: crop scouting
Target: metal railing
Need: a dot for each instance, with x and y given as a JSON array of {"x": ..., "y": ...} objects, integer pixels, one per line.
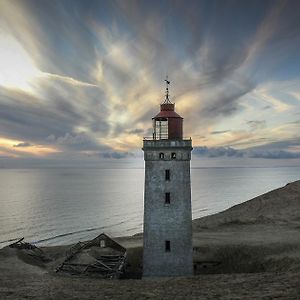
[
  {"x": 181, "y": 143},
  {"x": 151, "y": 138}
]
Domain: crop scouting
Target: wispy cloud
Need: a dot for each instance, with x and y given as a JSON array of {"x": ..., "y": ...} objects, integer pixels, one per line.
[
  {"x": 248, "y": 153},
  {"x": 23, "y": 144},
  {"x": 257, "y": 124},
  {"x": 94, "y": 72}
]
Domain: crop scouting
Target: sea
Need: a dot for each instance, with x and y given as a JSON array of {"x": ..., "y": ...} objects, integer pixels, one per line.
[{"x": 55, "y": 206}]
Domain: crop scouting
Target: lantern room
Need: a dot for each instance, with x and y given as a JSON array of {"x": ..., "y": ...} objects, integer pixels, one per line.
[{"x": 167, "y": 124}]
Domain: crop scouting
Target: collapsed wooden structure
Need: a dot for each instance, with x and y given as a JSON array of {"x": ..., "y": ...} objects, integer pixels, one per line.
[
  {"x": 30, "y": 250},
  {"x": 102, "y": 257}
]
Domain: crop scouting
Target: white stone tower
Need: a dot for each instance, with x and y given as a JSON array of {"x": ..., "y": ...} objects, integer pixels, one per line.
[{"x": 167, "y": 199}]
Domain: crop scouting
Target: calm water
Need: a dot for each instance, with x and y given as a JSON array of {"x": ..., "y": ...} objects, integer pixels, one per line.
[{"x": 58, "y": 206}]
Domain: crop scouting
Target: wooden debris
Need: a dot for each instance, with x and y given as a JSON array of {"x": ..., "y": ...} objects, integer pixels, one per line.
[
  {"x": 108, "y": 263},
  {"x": 30, "y": 250}
]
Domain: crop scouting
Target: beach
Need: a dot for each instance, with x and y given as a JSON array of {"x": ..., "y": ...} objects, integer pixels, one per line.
[{"x": 249, "y": 251}]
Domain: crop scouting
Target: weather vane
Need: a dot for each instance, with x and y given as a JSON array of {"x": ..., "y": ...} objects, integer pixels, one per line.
[{"x": 167, "y": 100}]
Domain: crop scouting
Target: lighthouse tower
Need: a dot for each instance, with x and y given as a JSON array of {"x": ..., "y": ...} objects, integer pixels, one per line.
[{"x": 167, "y": 198}]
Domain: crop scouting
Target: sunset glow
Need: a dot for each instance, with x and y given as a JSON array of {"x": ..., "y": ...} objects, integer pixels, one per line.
[
  {"x": 17, "y": 68},
  {"x": 16, "y": 148}
]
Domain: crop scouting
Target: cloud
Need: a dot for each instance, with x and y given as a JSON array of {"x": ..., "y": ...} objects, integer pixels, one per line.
[
  {"x": 273, "y": 154},
  {"x": 56, "y": 107},
  {"x": 53, "y": 34},
  {"x": 257, "y": 124},
  {"x": 101, "y": 67},
  {"x": 250, "y": 153},
  {"x": 266, "y": 107},
  {"x": 278, "y": 145},
  {"x": 281, "y": 149},
  {"x": 224, "y": 102},
  {"x": 116, "y": 154},
  {"x": 136, "y": 131},
  {"x": 217, "y": 152},
  {"x": 278, "y": 104},
  {"x": 80, "y": 142},
  {"x": 219, "y": 132},
  {"x": 24, "y": 144}
]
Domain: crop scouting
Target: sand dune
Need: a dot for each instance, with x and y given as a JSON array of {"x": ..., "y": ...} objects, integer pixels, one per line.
[
  {"x": 280, "y": 207},
  {"x": 260, "y": 235},
  {"x": 250, "y": 251}
]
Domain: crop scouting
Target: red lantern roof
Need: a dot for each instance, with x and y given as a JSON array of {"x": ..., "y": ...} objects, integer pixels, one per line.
[{"x": 167, "y": 111}]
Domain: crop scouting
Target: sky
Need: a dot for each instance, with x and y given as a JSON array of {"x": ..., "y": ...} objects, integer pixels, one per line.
[{"x": 81, "y": 80}]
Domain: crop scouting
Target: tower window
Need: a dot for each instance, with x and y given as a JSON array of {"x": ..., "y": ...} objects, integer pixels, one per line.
[
  {"x": 167, "y": 175},
  {"x": 161, "y": 155},
  {"x": 167, "y": 246},
  {"x": 167, "y": 198},
  {"x": 173, "y": 155}
]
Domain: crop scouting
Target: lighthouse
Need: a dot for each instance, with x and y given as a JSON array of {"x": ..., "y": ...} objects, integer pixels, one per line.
[{"x": 167, "y": 196}]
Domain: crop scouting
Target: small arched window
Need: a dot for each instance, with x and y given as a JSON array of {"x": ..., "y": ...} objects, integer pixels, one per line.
[
  {"x": 161, "y": 155},
  {"x": 173, "y": 155}
]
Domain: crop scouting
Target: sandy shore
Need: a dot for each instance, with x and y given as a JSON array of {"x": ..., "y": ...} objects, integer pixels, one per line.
[{"x": 250, "y": 251}]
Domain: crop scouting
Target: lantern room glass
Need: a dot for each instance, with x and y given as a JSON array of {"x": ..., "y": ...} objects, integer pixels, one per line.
[{"x": 160, "y": 129}]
